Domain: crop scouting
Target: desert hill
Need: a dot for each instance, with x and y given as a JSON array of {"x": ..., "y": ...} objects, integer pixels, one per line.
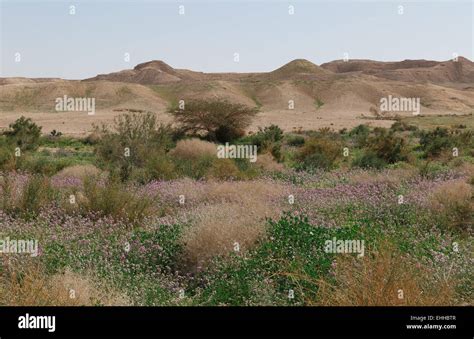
[
  {"x": 461, "y": 71},
  {"x": 298, "y": 69},
  {"x": 336, "y": 94}
]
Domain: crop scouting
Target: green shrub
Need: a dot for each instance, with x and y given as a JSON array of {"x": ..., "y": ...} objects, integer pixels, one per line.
[
  {"x": 196, "y": 169},
  {"x": 295, "y": 140},
  {"x": 318, "y": 103},
  {"x": 224, "y": 169},
  {"x": 430, "y": 170},
  {"x": 25, "y": 133},
  {"x": 43, "y": 164},
  {"x": 441, "y": 140},
  {"x": 360, "y": 134},
  {"x": 267, "y": 139},
  {"x": 159, "y": 166},
  {"x": 400, "y": 126},
  {"x": 319, "y": 153},
  {"x": 7, "y": 155},
  {"x": 131, "y": 141},
  {"x": 387, "y": 146},
  {"x": 369, "y": 160}
]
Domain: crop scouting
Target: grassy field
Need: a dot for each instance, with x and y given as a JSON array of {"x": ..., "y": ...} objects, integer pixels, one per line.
[
  {"x": 446, "y": 121},
  {"x": 142, "y": 214}
]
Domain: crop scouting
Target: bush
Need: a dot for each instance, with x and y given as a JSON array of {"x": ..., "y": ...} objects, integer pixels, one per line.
[
  {"x": 387, "y": 146},
  {"x": 111, "y": 198},
  {"x": 400, "y": 126},
  {"x": 160, "y": 167},
  {"x": 132, "y": 140},
  {"x": 7, "y": 155},
  {"x": 452, "y": 202},
  {"x": 295, "y": 140},
  {"x": 377, "y": 278},
  {"x": 360, "y": 134},
  {"x": 224, "y": 169},
  {"x": 266, "y": 162},
  {"x": 269, "y": 134},
  {"x": 25, "y": 133},
  {"x": 193, "y": 157},
  {"x": 193, "y": 169},
  {"x": 194, "y": 149},
  {"x": 430, "y": 170},
  {"x": 319, "y": 153},
  {"x": 267, "y": 139},
  {"x": 217, "y": 120},
  {"x": 369, "y": 160},
  {"x": 37, "y": 193},
  {"x": 433, "y": 143}
]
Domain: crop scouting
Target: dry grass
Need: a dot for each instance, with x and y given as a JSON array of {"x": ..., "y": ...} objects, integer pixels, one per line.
[
  {"x": 30, "y": 286},
  {"x": 233, "y": 212},
  {"x": 217, "y": 228},
  {"x": 194, "y": 149},
  {"x": 385, "y": 278},
  {"x": 224, "y": 169},
  {"x": 79, "y": 171},
  {"x": 256, "y": 191},
  {"x": 466, "y": 169},
  {"x": 454, "y": 201},
  {"x": 10, "y": 192},
  {"x": 266, "y": 162}
]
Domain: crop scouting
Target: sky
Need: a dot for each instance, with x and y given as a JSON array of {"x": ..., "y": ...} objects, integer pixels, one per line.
[{"x": 43, "y": 39}]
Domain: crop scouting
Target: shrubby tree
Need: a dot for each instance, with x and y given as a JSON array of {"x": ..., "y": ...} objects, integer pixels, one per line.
[
  {"x": 24, "y": 133},
  {"x": 267, "y": 139},
  {"x": 387, "y": 146},
  {"x": 360, "y": 134},
  {"x": 217, "y": 120},
  {"x": 434, "y": 142},
  {"x": 135, "y": 141}
]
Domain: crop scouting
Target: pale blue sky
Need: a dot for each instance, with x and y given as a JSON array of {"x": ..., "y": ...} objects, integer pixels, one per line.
[{"x": 53, "y": 43}]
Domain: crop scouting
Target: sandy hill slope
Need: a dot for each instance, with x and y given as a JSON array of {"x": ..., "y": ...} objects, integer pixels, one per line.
[
  {"x": 13, "y": 81},
  {"x": 461, "y": 71},
  {"x": 337, "y": 94}
]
